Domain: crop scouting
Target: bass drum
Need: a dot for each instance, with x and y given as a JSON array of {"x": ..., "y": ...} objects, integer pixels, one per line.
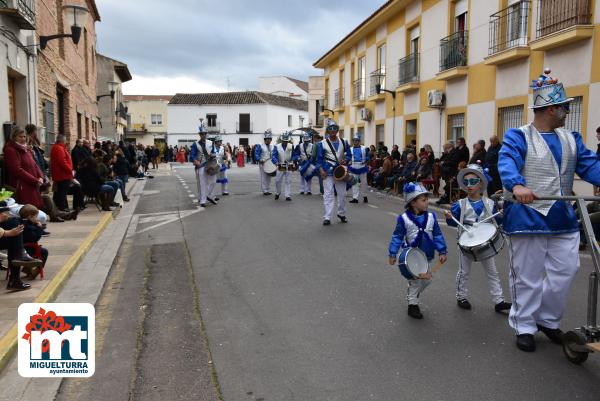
[
  {"x": 341, "y": 173},
  {"x": 269, "y": 168}
]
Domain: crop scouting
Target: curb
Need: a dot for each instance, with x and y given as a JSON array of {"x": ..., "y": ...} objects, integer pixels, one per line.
[{"x": 8, "y": 343}]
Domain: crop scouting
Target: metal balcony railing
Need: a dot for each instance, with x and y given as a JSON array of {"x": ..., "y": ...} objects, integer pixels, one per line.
[
  {"x": 509, "y": 27},
  {"x": 338, "y": 98},
  {"x": 453, "y": 50},
  {"x": 22, "y": 11},
  {"x": 377, "y": 77},
  {"x": 244, "y": 128},
  {"x": 556, "y": 15},
  {"x": 358, "y": 90},
  {"x": 408, "y": 69}
]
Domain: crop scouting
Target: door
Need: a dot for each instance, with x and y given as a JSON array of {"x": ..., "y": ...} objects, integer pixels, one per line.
[
  {"x": 244, "y": 123},
  {"x": 12, "y": 105},
  {"x": 244, "y": 142},
  {"x": 60, "y": 109}
]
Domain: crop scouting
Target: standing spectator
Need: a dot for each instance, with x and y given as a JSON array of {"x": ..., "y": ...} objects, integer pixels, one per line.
[
  {"x": 372, "y": 153},
  {"x": 479, "y": 153},
  {"x": 170, "y": 154},
  {"x": 181, "y": 155},
  {"x": 87, "y": 148},
  {"x": 78, "y": 154},
  {"x": 187, "y": 153},
  {"x": 436, "y": 175},
  {"x": 241, "y": 154},
  {"x": 23, "y": 173},
  {"x": 449, "y": 169},
  {"x": 61, "y": 168},
  {"x": 395, "y": 153},
  {"x": 491, "y": 163},
  {"x": 38, "y": 152},
  {"x": 462, "y": 151},
  {"x": 155, "y": 154}
]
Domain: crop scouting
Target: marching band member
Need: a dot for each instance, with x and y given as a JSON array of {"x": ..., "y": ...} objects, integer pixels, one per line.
[
  {"x": 200, "y": 155},
  {"x": 417, "y": 228},
  {"x": 305, "y": 150},
  {"x": 359, "y": 167},
  {"x": 540, "y": 159},
  {"x": 220, "y": 154},
  {"x": 263, "y": 153},
  {"x": 283, "y": 157},
  {"x": 469, "y": 211},
  {"x": 332, "y": 152}
]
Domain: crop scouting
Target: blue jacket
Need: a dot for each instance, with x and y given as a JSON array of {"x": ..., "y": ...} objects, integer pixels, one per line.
[
  {"x": 521, "y": 219},
  {"x": 476, "y": 205},
  {"x": 275, "y": 153},
  {"x": 427, "y": 245},
  {"x": 322, "y": 163}
]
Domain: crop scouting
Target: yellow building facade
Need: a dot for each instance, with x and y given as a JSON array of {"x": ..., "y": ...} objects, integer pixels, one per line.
[{"x": 456, "y": 68}]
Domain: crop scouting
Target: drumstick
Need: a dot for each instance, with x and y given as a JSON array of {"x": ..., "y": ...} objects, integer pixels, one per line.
[
  {"x": 460, "y": 224},
  {"x": 489, "y": 218},
  {"x": 437, "y": 266}
]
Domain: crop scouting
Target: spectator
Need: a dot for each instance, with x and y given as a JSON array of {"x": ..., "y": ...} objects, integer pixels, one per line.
[
  {"x": 409, "y": 172},
  {"x": 449, "y": 168},
  {"x": 121, "y": 168},
  {"x": 395, "y": 153},
  {"x": 423, "y": 170},
  {"x": 407, "y": 150},
  {"x": 32, "y": 233},
  {"x": 385, "y": 171},
  {"x": 436, "y": 175},
  {"x": 61, "y": 168},
  {"x": 430, "y": 155},
  {"x": 181, "y": 155},
  {"x": 38, "y": 152},
  {"x": 479, "y": 153},
  {"x": 105, "y": 172},
  {"x": 462, "y": 151},
  {"x": 91, "y": 183},
  {"x": 491, "y": 163},
  {"x": 87, "y": 148},
  {"x": 78, "y": 154},
  {"x": 23, "y": 173},
  {"x": 155, "y": 154},
  {"x": 372, "y": 153}
]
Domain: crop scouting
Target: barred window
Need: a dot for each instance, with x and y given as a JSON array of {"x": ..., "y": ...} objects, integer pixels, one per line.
[
  {"x": 575, "y": 116},
  {"x": 509, "y": 117},
  {"x": 456, "y": 126}
]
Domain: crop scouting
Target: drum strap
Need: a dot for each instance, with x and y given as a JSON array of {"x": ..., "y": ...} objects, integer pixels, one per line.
[
  {"x": 342, "y": 143},
  {"x": 422, "y": 227}
]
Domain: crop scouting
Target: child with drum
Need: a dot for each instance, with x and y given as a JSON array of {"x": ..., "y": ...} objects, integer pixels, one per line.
[
  {"x": 482, "y": 241},
  {"x": 418, "y": 234}
]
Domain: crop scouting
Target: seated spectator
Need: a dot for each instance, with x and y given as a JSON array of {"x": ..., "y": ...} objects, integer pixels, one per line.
[
  {"x": 430, "y": 155},
  {"x": 423, "y": 170},
  {"x": 479, "y": 153},
  {"x": 409, "y": 172},
  {"x": 93, "y": 185},
  {"x": 11, "y": 239},
  {"x": 380, "y": 179},
  {"x": 33, "y": 232},
  {"x": 15, "y": 209},
  {"x": 395, "y": 152}
]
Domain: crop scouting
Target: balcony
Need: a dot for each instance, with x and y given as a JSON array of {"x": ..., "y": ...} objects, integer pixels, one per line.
[
  {"x": 509, "y": 34},
  {"x": 377, "y": 77},
  {"x": 453, "y": 56},
  {"x": 213, "y": 126},
  {"x": 358, "y": 92},
  {"x": 244, "y": 127},
  {"x": 408, "y": 73},
  {"x": 121, "y": 113},
  {"x": 338, "y": 99},
  {"x": 21, "y": 11},
  {"x": 561, "y": 22}
]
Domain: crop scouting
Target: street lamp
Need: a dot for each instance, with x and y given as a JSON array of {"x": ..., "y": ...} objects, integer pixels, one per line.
[
  {"x": 74, "y": 12},
  {"x": 112, "y": 86},
  {"x": 379, "y": 89}
]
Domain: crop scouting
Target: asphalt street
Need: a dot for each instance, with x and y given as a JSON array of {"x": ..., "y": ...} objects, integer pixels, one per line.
[{"x": 253, "y": 299}]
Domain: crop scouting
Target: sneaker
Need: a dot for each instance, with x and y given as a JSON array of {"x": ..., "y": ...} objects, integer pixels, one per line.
[
  {"x": 19, "y": 286},
  {"x": 366, "y": 200},
  {"x": 555, "y": 335},
  {"x": 526, "y": 342},
  {"x": 342, "y": 218},
  {"x": 269, "y": 193},
  {"x": 266, "y": 194},
  {"x": 464, "y": 304},
  {"x": 415, "y": 312},
  {"x": 277, "y": 197},
  {"x": 354, "y": 201},
  {"x": 326, "y": 222},
  {"x": 302, "y": 193},
  {"x": 225, "y": 194},
  {"x": 288, "y": 199},
  {"x": 309, "y": 193},
  {"x": 203, "y": 205},
  {"x": 45, "y": 233},
  {"x": 502, "y": 306},
  {"x": 213, "y": 201}
]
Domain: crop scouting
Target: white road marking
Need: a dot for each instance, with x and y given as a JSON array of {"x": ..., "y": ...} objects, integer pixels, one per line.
[
  {"x": 393, "y": 214},
  {"x": 192, "y": 196},
  {"x": 373, "y": 206}
]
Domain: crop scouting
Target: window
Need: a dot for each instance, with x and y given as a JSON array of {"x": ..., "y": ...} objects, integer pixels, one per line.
[
  {"x": 128, "y": 119},
  {"x": 156, "y": 119},
  {"x": 461, "y": 8},
  {"x": 87, "y": 128},
  {"x": 79, "y": 128},
  {"x": 211, "y": 120},
  {"x": 12, "y": 104},
  {"x": 456, "y": 127},
  {"x": 411, "y": 131},
  {"x": 509, "y": 117},
  {"x": 381, "y": 64},
  {"x": 380, "y": 134},
  {"x": 289, "y": 121},
  {"x": 575, "y": 116},
  {"x": 415, "y": 33}
]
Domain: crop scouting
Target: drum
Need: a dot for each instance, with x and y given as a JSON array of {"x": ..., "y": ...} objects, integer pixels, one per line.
[
  {"x": 308, "y": 170},
  {"x": 287, "y": 167},
  {"x": 340, "y": 173},
  {"x": 412, "y": 262},
  {"x": 483, "y": 241},
  {"x": 212, "y": 167},
  {"x": 270, "y": 168}
]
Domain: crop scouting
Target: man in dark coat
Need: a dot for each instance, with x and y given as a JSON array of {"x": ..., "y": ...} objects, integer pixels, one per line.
[
  {"x": 78, "y": 154},
  {"x": 463, "y": 151},
  {"x": 479, "y": 153},
  {"x": 491, "y": 163},
  {"x": 449, "y": 166}
]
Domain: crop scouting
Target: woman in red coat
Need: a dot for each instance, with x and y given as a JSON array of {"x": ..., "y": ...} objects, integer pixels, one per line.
[
  {"x": 241, "y": 156},
  {"x": 23, "y": 172},
  {"x": 181, "y": 155}
]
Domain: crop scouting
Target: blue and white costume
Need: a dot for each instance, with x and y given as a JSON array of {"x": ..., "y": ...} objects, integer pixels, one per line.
[
  {"x": 200, "y": 153},
  {"x": 284, "y": 155},
  {"x": 417, "y": 231},
  {"x": 359, "y": 167},
  {"x": 219, "y": 151},
  {"x": 328, "y": 160},
  {"x": 305, "y": 150},
  {"x": 263, "y": 153},
  {"x": 544, "y": 235}
]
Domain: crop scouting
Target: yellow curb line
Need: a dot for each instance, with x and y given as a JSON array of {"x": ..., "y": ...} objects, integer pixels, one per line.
[{"x": 8, "y": 343}]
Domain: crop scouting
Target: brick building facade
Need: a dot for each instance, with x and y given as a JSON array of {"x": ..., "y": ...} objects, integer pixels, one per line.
[{"x": 67, "y": 74}]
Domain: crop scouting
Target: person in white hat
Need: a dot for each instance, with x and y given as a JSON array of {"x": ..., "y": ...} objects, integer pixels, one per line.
[
  {"x": 263, "y": 153},
  {"x": 305, "y": 151},
  {"x": 200, "y": 154},
  {"x": 284, "y": 156},
  {"x": 332, "y": 152},
  {"x": 538, "y": 160},
  {"x": 468, "y": 211},
  {"x": 360, "y": 168},
  {"x": 219, "y": 151},
  {"x": 417, "y": 228}
]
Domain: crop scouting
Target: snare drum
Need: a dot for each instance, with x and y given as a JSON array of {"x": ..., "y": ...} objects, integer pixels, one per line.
[
  {"x": 270, "y": 168},
  {"x": 412, "y": 262},
  {"x": 481, "y": 242},
  {"x": 308, "y": 170},
  {"x": 212, "y": 167}
]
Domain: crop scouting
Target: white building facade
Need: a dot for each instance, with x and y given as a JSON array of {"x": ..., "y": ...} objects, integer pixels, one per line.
[
  {"x": 284, "y": 86},
  {"x": 240, "y": 117}
]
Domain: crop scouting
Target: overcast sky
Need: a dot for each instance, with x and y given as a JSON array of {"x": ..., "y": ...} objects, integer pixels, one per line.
[{"x": 196, "y": 46}]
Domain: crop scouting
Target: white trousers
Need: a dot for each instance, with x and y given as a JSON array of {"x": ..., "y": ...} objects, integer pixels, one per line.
[
  {"x": 284, "y": 177},
  {"x": 462, "y": 277},
  {"x": 329, "y": 197},
  {"x": 265, "y": 180},
  {"x": 201, "y": 183},
  {"x": 415, "y": 288},
  {"x": 361, "y": 187},
  {"x": 224, "y": 185},
  {"x": 542, "y": 268},
  {"x": 305, "y": 186}
]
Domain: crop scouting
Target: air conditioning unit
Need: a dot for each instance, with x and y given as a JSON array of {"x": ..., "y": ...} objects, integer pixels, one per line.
[
  {"x": 435, "y": 99},
  {"x": 365, "y": 114}
]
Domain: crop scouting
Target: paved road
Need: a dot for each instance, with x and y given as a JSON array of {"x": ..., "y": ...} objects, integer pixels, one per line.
[{"x": 286, "y": 319}]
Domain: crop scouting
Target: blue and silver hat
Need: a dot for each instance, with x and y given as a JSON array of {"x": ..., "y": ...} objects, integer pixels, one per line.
[
  {"x": 286, "y": 137},
  {"x": 202, "y": 129},
  {"x": 268, "y": 134},
  {"x": 473, "y": 169},
  {"x": 218, "y": 138},
  {"x": 547, "y": 91},
  {"x": 356, "y": 137},
  {"x": 412, "y": 190},
  {"x": 332, "y": 125},
  {"x": 306, "y": 136}
]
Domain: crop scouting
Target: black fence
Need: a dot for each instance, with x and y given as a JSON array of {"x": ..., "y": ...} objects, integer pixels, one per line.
[
  {"x": 556, "y": 15},
  {"x": 453, "y": 50},
  {"x": 408, "y": 69}
]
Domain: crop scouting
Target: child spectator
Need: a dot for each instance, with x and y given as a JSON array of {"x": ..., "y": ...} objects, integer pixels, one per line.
[{"x": 33, "y": 231}]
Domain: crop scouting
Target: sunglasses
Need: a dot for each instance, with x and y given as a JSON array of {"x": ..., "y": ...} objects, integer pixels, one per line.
[
  {"x": 565, "y": 107},
  {"x": 471, "y": 182}
]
